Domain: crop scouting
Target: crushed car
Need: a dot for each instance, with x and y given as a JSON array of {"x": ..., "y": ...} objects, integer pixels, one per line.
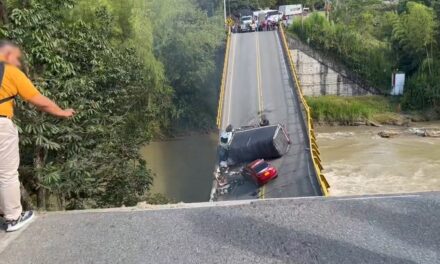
[{"x": 242, "y": 155}]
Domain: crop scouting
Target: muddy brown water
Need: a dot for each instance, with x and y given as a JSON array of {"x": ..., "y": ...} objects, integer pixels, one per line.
[
  {"x": 357, "y": 161},
  {"x": 183, "y": 167}
]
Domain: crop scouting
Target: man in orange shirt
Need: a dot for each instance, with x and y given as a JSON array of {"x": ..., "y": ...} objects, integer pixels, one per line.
[{"x": 15, "y": 83}]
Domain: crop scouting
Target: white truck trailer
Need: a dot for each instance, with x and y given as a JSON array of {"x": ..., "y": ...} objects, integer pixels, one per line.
[{"x": 291, "y": 10}]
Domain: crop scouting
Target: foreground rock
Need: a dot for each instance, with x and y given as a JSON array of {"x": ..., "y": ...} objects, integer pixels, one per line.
[{"x": 389, "y": 133}]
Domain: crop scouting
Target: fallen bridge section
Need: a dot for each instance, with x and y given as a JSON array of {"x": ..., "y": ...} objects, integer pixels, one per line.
[
  {"x": 258, "y": 80},
  {"x": 375, "y": 229}
]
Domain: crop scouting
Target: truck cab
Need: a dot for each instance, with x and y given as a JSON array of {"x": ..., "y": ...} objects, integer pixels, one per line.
[{"x": 247, "y": 24}]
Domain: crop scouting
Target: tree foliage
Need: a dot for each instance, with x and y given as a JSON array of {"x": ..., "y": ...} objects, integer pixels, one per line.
[
  {"x": 365, "y": 55},
  {"x": 414, "y": 35},
  {"x": 374, "y": 39},
  {"x": 130, "y": 68}
]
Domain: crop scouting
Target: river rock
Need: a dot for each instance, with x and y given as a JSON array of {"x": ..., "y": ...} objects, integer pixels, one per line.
[
  {"x": 359, "y": 123},
  {"x": 417, "y": 118},
  {"x": 402, "y": 122},
  {"x": 432, "y": 133},
  {"x": 374, "y": 124},
  {"x": 417, "y": 131},
  {"x": 425, "y": 132},
  {"x": 388, "y": 133}
]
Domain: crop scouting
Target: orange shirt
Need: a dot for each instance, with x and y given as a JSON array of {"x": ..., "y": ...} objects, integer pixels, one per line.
[{"x": 15, "y": 82}]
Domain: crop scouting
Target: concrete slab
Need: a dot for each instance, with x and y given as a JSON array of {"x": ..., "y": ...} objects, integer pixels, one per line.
[{"x": 376, "y": 229}]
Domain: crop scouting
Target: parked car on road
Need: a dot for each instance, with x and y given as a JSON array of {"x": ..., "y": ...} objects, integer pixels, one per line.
[{"x": 260, "y": 172}]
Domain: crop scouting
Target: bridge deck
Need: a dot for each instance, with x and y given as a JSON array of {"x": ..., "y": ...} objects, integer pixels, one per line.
[
  {"x": 396, "y": 229},
  {"x": 259, "y": 81}
]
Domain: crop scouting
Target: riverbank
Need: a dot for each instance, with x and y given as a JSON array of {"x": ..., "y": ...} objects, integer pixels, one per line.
[{"x": 364, "y": 110}]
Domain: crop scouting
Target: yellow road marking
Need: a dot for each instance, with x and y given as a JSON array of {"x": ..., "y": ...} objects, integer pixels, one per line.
[
  {"x": 262, "y": 192},
  {"x": 260, "y": 97},
  {"x": 260, "y": 90}
]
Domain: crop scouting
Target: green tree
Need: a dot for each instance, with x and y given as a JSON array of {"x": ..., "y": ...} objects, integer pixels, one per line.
[
  {"x": 362, "y": 53},
  {"x": 92, "y": 160},
  {"x": 132, "y": 69},
  {"x": 188, "y": 43},
  {"x": 373, "y": 39},
  {"x": 414, "y": 35}
]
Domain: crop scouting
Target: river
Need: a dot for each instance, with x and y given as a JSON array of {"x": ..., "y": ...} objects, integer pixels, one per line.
[
  {"x": 183, "y": 167},
  {"x": 357, "y": 161}
]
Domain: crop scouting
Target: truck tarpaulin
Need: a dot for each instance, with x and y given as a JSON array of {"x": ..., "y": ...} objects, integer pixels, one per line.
[{"x": 268, "y": 142}]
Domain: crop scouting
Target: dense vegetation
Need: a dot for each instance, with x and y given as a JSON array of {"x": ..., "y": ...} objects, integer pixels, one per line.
[
  {"x": 374, "y": 39},
  {"x": 344, "y": 110},
  {"x": 132, "y": 69}
]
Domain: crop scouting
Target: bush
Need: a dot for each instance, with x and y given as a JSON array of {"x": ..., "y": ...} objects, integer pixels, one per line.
[
  {"x": 348, "y": 110},
  {"x": 423, "y": 89}
]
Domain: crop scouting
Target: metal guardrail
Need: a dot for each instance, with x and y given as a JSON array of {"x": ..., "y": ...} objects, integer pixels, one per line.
[
  {"x": 313, "y": 146},
  {"x": 223, "y": 82}
]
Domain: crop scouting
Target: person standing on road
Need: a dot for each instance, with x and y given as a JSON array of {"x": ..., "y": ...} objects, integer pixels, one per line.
[{"x": 15, "y": 83}]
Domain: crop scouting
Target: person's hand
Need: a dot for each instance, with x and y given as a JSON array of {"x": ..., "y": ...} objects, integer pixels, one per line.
[{"x": 67, "y": 113}]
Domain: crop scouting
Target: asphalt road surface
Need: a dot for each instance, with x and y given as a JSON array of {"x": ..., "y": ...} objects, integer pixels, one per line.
[
  {"x": 394, "y": 229},
  {"x": 259, "y": 83}
]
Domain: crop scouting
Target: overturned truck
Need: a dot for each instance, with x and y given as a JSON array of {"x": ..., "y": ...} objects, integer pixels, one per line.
[{"x": 249, "y": 144}]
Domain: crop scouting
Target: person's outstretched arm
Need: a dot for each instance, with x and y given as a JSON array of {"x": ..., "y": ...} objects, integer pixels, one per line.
[
  {"x": 27, "y": 91},
  {"x": 46, "y": 105}
]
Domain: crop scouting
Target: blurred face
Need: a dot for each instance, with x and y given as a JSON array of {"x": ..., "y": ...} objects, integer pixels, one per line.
[{"x": 13, "y": 56}]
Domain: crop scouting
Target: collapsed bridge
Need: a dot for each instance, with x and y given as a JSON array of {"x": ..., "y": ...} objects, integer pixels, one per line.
[{"x": 260, "y": 79}]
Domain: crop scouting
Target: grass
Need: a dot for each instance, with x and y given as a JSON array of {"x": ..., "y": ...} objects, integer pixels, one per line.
[{"x": 349, "y": 110}]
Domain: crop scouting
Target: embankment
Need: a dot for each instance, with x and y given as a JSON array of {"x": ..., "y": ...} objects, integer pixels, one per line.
[{"x": 363, "y": 110}]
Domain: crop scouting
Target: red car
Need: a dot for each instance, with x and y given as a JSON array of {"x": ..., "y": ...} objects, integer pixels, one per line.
[{"x": 260, "y": 172}]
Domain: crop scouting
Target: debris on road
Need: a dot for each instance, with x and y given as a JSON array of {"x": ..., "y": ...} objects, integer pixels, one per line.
[{"x": 248, "y": 144}]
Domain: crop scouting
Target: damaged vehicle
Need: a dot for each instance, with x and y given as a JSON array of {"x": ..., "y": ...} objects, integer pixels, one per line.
[
  {"x": 249, "y": 144},
  {"x": 260, "y": 172},
  {"x": 242, "y": 155}
]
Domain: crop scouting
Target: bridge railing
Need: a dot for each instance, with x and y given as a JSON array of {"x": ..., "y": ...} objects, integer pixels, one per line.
[
  {"x": 221, "y": 102},
  {"x": 224, "y": 77},
  {"x": 313, "y": 146}
]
